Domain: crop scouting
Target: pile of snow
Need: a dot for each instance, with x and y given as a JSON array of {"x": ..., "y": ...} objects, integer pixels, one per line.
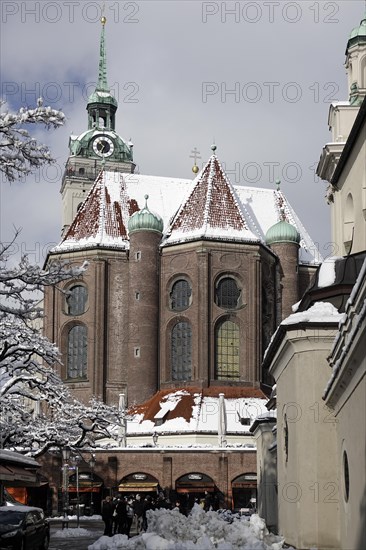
[
  {"x": 170, "y": 530},
  {"x": 320, "y": 312},
  {"x": 72, "y": 533}
]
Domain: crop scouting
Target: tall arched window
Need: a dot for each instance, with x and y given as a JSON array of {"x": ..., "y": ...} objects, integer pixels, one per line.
[
  {"x": 227, "y": 351},
  {"x": 180, "y": 296},
  {"x": 227, "y": 293},
  {"x": 76, "y": 300},
  {"x": 77, "y": 352},
  {"x": 181, "y": 351}
]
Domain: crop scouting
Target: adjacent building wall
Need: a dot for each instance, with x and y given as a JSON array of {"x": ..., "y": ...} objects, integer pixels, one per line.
[
  {"x": 308, "y": 484},
  {"x": 266, "y": 471},
  {"x": 346, "y": 395}
]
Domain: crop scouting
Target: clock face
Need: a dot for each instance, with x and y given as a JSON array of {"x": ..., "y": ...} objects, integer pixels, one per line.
[{"x": 103, "y": 146}]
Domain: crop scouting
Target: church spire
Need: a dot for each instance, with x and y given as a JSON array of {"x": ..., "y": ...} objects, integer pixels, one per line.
[
  {"x": 102, "y": 76},
  {"x": 102, "y": 106}
]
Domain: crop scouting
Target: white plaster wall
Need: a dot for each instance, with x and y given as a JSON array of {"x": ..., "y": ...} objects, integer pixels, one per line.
[
  {"x": 351, "y": 421},
  {"x": 266, "y": 475},
  {"x": 308, "y": 487}
]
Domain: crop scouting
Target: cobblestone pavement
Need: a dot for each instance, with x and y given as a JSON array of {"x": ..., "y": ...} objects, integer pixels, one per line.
[{"x": 95, "y": 528}]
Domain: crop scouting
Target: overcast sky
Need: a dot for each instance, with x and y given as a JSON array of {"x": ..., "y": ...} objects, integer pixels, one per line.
[{"x": 172, "y": 66}]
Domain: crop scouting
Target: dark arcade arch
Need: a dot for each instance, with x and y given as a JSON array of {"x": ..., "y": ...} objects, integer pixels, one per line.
[
  {"x": 138, "y": 482},
  {"x": 197, "y": 488},
  {"x": 244, "y": 492}
]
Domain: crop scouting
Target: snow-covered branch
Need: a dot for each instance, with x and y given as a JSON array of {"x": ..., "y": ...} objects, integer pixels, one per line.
[
  {"x": 19, "y": 152},
  {"x": 28, "y": 379}
]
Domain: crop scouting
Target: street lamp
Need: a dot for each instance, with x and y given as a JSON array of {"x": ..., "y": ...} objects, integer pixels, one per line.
[
  {"x": 92, "y": 462},
  {"x": 75, "y": 460},
  {"x": 65, "y": 481}
]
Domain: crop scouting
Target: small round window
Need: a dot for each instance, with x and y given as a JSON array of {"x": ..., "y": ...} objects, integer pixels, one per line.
[
  {"x": 76, "y": 300},
  {"x": 180, "y": 296},
  {"x": 345, "y": 476},
  {"x": 227, "y": 293}
]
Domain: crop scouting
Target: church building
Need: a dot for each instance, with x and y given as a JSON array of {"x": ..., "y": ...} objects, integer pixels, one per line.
[{"x": 186, "y": 283}]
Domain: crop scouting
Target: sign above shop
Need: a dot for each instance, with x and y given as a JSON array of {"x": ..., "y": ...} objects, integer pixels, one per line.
[{"x": 140, "y": 477}]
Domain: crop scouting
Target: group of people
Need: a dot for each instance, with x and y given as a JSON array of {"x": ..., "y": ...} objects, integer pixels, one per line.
[{"x": 119, "y": 513}]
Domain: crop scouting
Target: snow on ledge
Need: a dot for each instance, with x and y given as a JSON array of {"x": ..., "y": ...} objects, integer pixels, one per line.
[
  {"x": 327, "y": 273},
  {"x": 321, "y": 312}
]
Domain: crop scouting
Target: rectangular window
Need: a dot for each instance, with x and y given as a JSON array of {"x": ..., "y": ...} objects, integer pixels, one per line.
[
  {"x": 136, "y": 352},
  {"x": 138, "y": 256}
]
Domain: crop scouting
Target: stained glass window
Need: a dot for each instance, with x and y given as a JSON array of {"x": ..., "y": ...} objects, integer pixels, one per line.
[
  {"x": 181, "y": 351},
  {"x": 76, "y": 300},
  {"x": 77, "y": 352},
  {"x": 227, "y": 293},
  {"x": 180, "y": 296},
  {"x": 227, "y": 351}
]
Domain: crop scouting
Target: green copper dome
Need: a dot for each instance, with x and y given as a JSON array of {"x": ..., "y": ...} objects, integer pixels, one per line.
[
  {"x": 358, "y": 32},
  {"x": 145, "y": 220},
  {"x": 282, "y": 232},
  {"x": 101, "y": 96}
]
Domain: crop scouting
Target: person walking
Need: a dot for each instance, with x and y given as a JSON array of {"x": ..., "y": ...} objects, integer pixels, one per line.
[
  {"x": 121, "y": 516},
  {"x": 129, "y": 516},
  {"x": 138, "y": 508},
  {"x": 147, "y": 505},
  {"x": 107, "y": 515}
]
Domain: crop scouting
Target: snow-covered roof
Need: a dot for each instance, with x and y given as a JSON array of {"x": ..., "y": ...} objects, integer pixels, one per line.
[
  {"x": 320, "y": 312},
  {"x": 102, "y": 218},
  {"x": 17, "y": 458},
  {"x": 327, "y": 272},
  {"x": 211, "y": 210},
  {"x": 193, "y": 410},
  {"x": 225, "y": 212}
]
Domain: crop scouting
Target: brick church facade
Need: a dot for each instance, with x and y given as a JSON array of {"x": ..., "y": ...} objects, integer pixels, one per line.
[{"x": 186, "y": 283}]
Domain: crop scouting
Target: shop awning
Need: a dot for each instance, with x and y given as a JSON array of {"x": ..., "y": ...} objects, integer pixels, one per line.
[
  {"x": 15, "y": 476},
  {"x": 138, "y": 487},
  {"x": 5, "y": 473},
  {"x": 195, "y": 488},
  {"x": 85, "y": 486}
]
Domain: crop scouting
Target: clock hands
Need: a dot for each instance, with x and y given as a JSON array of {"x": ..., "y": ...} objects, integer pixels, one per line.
[{"x": 103, "y": 146}]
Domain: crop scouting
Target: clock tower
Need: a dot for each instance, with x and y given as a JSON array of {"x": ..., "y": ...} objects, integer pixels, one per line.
[{"x": 98, "y": 145}]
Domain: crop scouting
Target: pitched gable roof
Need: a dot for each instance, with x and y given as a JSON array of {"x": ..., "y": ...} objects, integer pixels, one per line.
[
  {"x": 103, "y": 216},
  {"x": 211, "y": 210},
  {"x": 260, "y": 208}
]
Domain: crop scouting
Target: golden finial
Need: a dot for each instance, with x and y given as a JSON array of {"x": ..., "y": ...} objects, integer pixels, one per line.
[
  {"x": 103, "y": 19},
  {"x": 195, "y": 155}
]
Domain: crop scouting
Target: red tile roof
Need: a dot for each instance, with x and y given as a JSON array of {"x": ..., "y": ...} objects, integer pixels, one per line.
[
  {"x": 185, "y": 405},
  {"x": 103, "y": 216},
  {"x": 212, "y": 208}
]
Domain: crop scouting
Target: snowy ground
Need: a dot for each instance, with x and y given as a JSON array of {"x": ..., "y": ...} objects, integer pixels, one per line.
[{"x": 170, "y": 530}]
